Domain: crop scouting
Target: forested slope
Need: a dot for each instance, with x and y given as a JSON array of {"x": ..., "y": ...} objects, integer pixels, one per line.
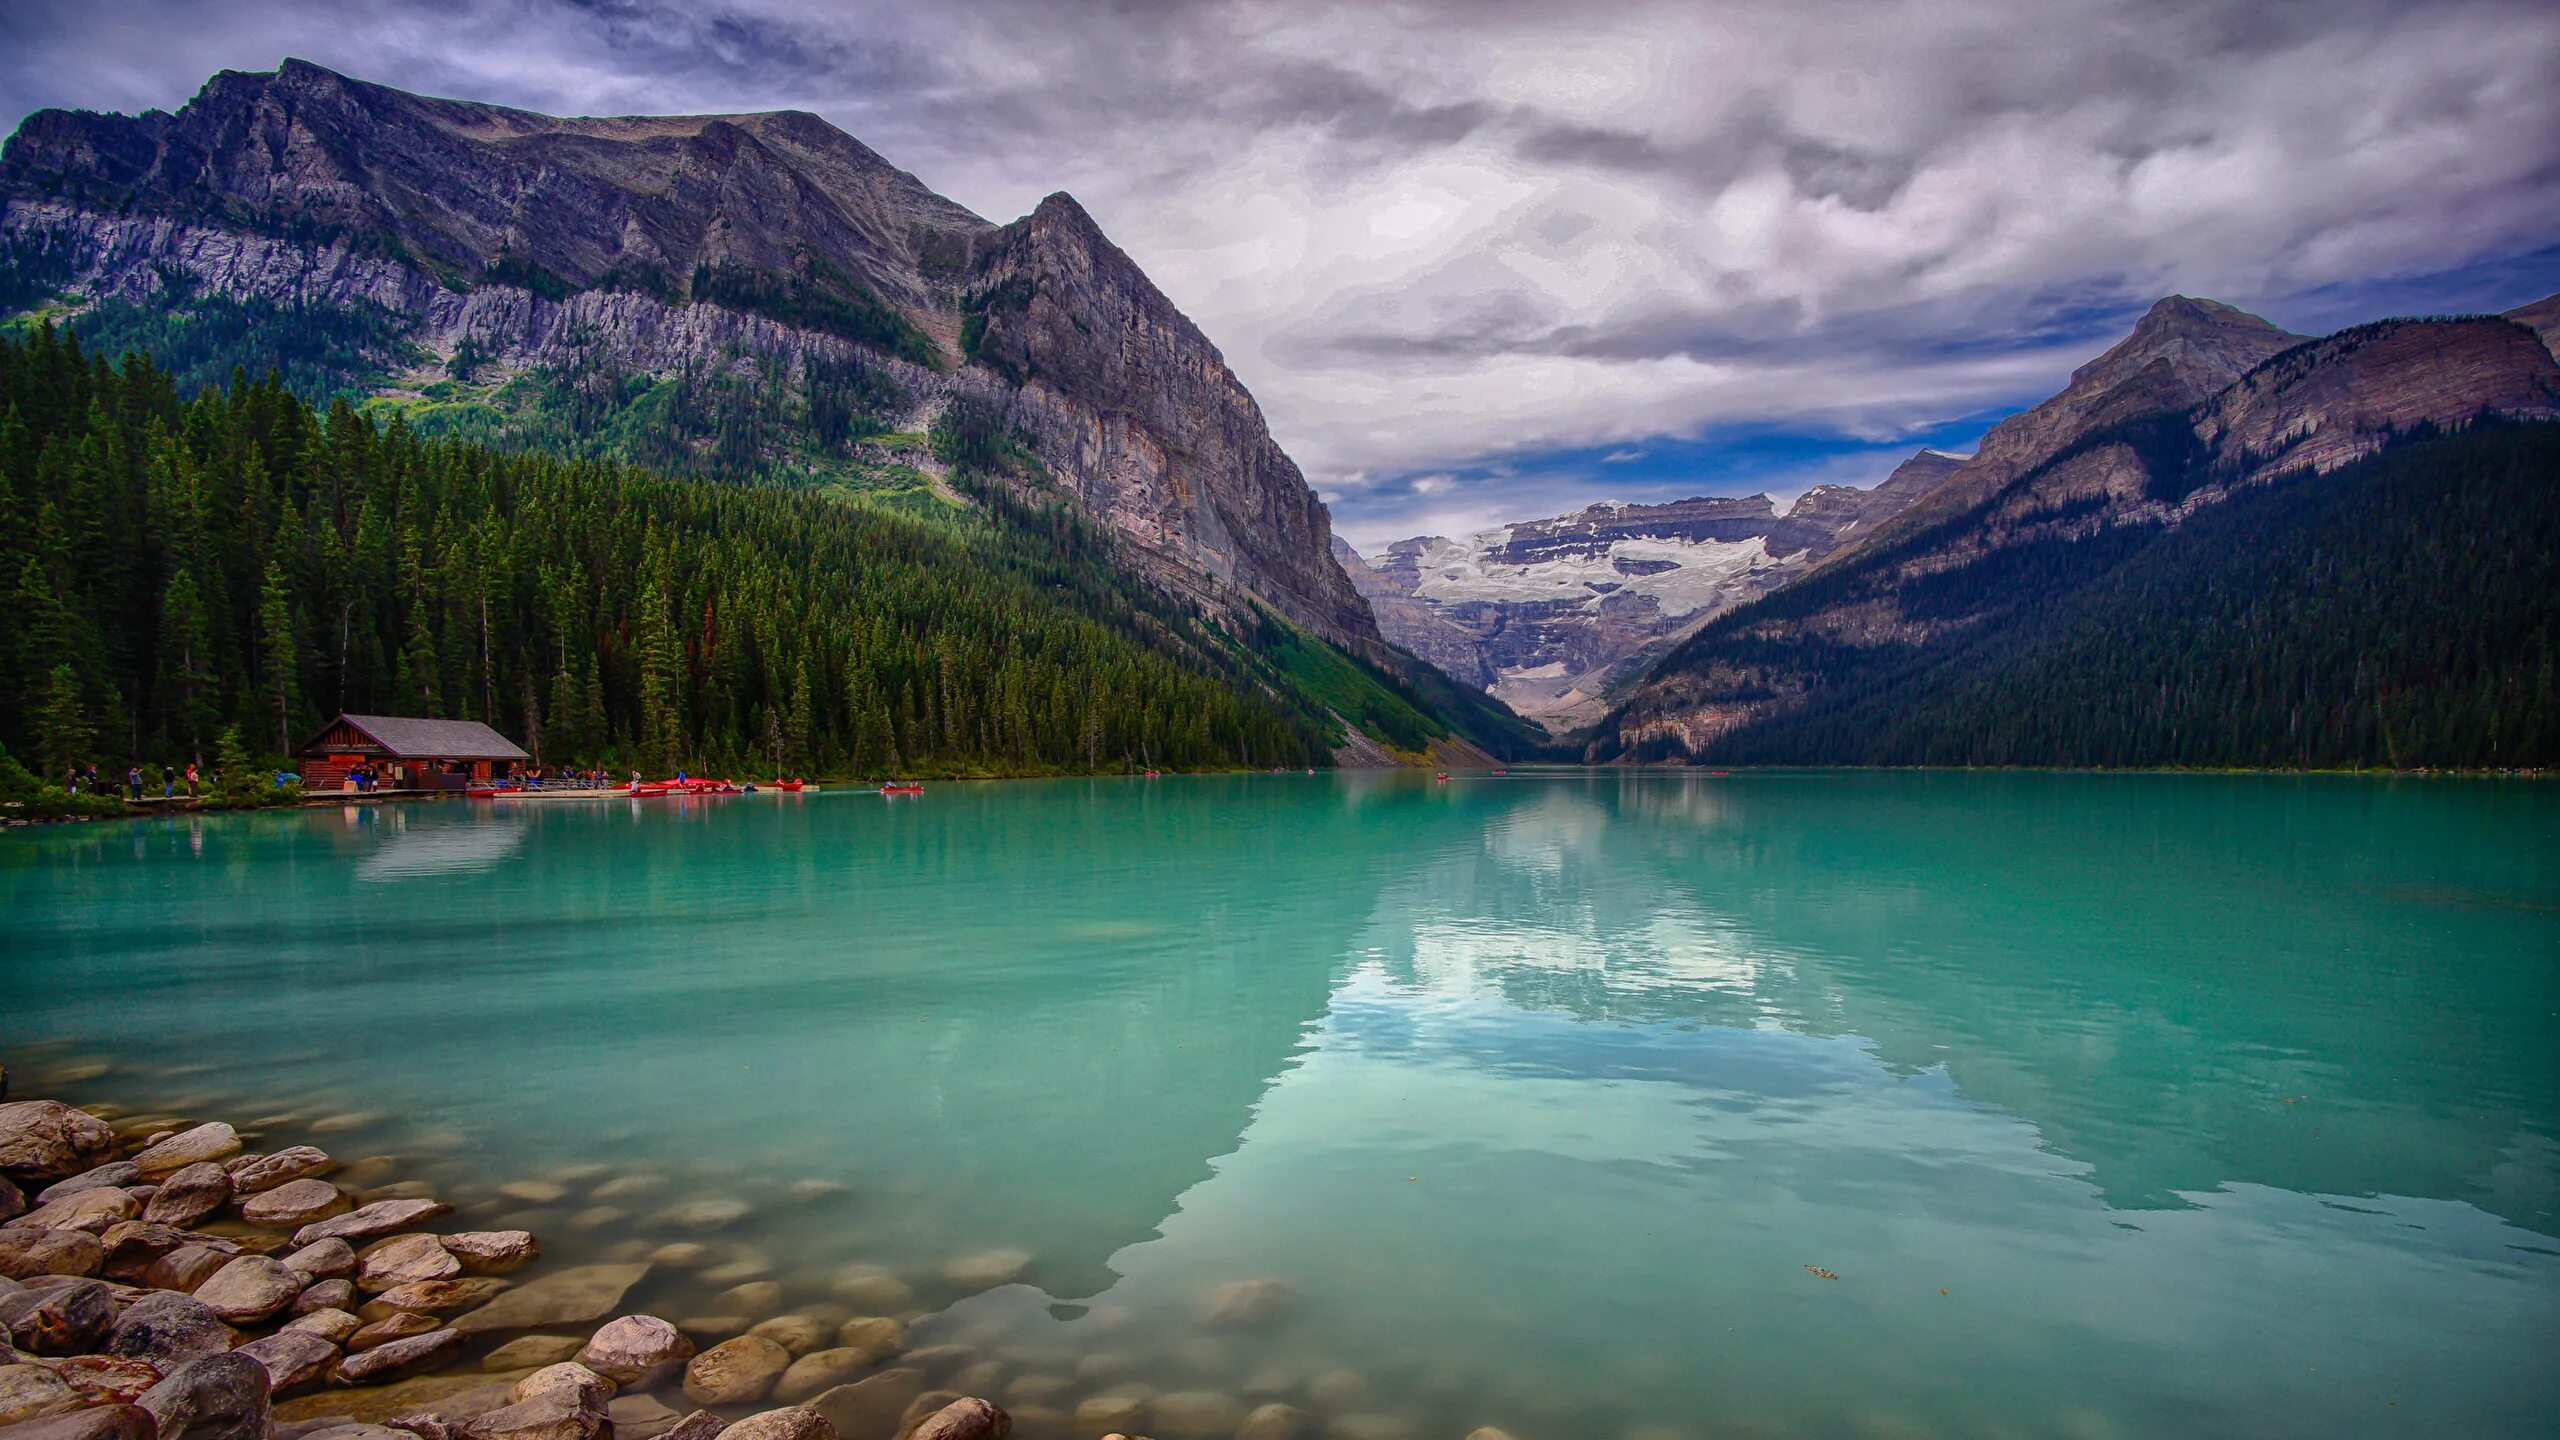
[
  {"x": 2401, "y": 611},
  {"x": 176, "y": 566}
]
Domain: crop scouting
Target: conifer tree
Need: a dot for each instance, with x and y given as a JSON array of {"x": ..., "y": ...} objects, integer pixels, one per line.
[
  {"x": 63, "y": 733},
  {"x": 186, "y": 649},
  {"x": 279, "y": 656}
]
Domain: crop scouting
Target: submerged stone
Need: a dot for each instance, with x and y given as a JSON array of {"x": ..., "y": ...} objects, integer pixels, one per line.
[
  {"x": 532, "y": 1351},
  {"x": 563, "y": 1297},
  {"x": 988, "y": 1269},
  {"x": 735, "y": 1372},
  {"x": 790, "y": 1423}
]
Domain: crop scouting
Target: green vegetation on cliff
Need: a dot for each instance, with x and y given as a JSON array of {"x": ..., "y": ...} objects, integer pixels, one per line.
[{"x": 178, "y": 566}]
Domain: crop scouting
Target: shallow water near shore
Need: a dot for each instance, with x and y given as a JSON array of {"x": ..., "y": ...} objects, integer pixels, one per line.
[{"x": 2117, "y": 1106}]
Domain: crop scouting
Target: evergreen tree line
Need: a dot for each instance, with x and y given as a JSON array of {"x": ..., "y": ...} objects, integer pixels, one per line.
[
  {"x": 2400, "y": 612},
  {"x": 179, "y": 566}
]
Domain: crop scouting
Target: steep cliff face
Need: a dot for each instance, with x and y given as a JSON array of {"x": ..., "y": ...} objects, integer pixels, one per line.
[
  {"x": 719, "y": 287},
  {"x": 1124, "y": 395},
  {"x": 1548, "y": 615},
  {"x": 2200, "y": 405}
]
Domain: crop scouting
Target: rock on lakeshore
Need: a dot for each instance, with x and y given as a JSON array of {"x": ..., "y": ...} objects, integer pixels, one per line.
[
  {"x": 249, "y": 1289},
  {"x": 48, "y": 1140},
  {"x": 637, "y": 1352},
  {"x": 60, "y": 1319},
  {"x": 331, "y": 1259},
  {"x": 104, "y": 1422},
  {"x": 970, "y": 1419},
  {"x": 405, "y": 1260},
  {"x": 295, "y": 1203},
  {"x": 189, "y": 1195},
  {"x": 791, "y": 1423},
  {"x": 30, "y": 1392},
  {"x": 291, "y": 1357},
  {"x": 735, "y": 1372},
  {"x": 397, "y": 1358},
  {"x": 212, "y": 1141},
  {"x": 216, "y": 1397},
  {"x": 574, "y": 1383},
  {"x": 493, "y": 1252},
  {"x": 382, "y": 1217},
  {"x": 255, "y": 1175},
  {"x": 437, "y": 1297},
  {"x": 28, "y": 1252},
  {"x": 89, "y": 1210},
  {"x": 169, "y": 1329},
  {"x": 115, "y": 1173}
]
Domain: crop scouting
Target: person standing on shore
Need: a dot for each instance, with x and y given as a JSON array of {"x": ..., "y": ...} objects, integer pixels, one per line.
[
  {"x": 168, "y": 780},
  {"x": 191, "y": 782},
  {"x": 133, "y": 782}
]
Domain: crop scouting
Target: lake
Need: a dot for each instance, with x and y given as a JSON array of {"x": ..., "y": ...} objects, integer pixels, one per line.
[{"x": 1578, "y": 1103}]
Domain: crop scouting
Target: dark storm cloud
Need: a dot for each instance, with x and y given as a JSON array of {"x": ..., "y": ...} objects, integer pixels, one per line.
[{"x": 1438, "y": 233}]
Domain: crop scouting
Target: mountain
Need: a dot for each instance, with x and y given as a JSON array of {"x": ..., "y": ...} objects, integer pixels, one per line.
[
  {"x": 2015, "y": 614},
  {"x": 1548, "y": 615},
  {"x": 721, "y": 296},
  {"x": 718, "y": 298},
  {"x": 2180, "y": 352}
]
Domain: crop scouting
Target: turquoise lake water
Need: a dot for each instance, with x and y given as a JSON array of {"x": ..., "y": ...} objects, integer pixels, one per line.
[{"x": 2118, "y": 1106}]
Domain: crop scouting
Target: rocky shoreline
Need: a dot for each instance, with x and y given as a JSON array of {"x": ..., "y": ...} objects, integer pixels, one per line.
[{"x": 163, "y": 1280}]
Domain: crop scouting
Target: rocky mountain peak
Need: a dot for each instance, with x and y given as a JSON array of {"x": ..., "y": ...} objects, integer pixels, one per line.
[
  {"x": 770, "y": 250},
  {"x": 2185, "y": 345},
  {"x": 2182, "y": 352},
  {"x": 2193, "y": 314},
  {"x": 1920, "y": 474}
]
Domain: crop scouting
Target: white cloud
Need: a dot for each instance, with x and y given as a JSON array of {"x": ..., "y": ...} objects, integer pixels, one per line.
[{"x": 1437, "y": 234}]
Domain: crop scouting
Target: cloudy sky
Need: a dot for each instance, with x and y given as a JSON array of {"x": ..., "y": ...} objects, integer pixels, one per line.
[{"x": 1491, "y": 259}]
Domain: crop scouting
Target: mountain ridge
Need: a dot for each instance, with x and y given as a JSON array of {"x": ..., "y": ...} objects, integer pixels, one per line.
[
  {"x": 1551, "y": 615},
  {"x": 2069, "y": 489},
  {"x": 498, "y": 269}
]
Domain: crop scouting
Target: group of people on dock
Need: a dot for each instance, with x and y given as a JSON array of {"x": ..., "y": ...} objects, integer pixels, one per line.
[{"x": 78, "y": 781}]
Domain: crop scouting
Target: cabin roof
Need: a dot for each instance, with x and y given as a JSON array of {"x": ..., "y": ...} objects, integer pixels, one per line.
[{"x": 408, "y": 738}]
